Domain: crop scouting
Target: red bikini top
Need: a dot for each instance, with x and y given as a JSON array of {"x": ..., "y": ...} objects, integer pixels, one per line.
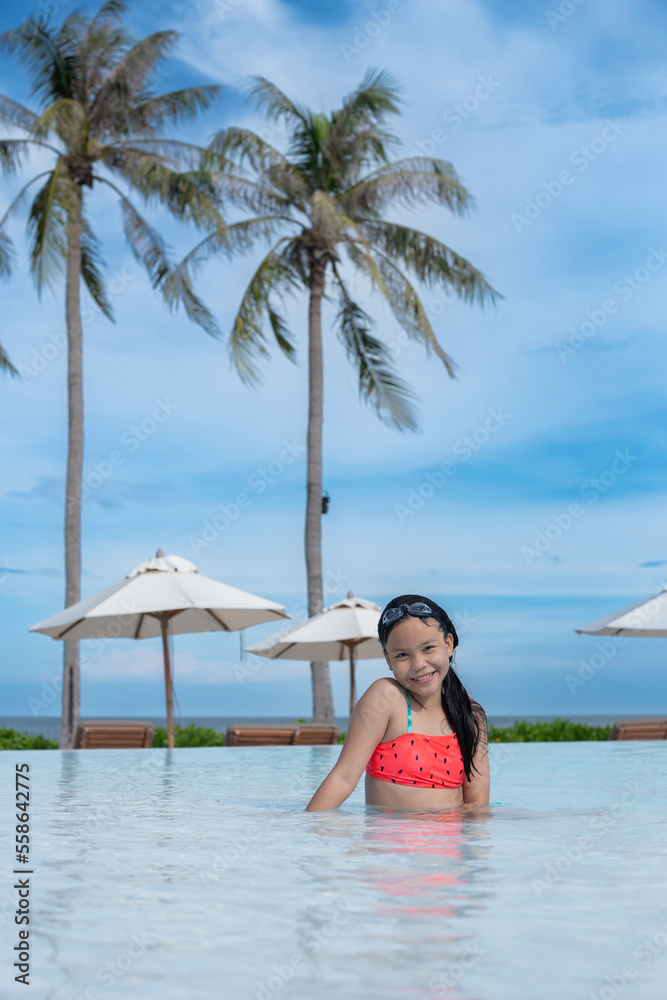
[{"x": 419, "y": 760}]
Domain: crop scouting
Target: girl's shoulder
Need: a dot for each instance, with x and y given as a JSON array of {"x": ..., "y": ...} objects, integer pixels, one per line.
[{"x": 388, "y": 687}]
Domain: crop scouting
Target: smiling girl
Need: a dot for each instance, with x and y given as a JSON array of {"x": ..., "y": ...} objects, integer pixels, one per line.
[{"x": 420, "y": 738}]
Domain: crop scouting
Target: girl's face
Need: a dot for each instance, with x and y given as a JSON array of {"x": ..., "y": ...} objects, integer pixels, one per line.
[{"x": 418, "y": 654}]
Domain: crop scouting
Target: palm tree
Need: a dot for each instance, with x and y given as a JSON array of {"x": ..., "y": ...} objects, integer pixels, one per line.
[
  {"x": 100, "y": 118},
  {"x": 323, "y": 198}
]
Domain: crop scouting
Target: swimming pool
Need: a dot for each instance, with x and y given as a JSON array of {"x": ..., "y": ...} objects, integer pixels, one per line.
[{"x": 195, "y": 873}]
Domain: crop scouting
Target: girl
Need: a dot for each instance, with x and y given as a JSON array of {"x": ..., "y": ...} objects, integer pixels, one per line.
[{"x": 420, "y": 738}]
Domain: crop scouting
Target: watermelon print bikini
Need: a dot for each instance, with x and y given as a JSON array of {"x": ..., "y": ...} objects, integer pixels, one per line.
[{"x": 418, "y": 760}]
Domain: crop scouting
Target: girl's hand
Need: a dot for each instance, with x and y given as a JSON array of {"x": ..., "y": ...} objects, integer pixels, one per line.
[{"x": 367, "y": 726}]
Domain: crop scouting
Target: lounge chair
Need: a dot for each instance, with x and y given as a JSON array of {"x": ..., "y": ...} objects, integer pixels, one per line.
[
  {"x": 308, "y": 734},
  {"x": 114, "y": 734},
  {"x": 639, "y": 729}
]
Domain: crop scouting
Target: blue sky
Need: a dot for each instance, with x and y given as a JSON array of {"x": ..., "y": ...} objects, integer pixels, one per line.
[{"x": 556, "y": 125}]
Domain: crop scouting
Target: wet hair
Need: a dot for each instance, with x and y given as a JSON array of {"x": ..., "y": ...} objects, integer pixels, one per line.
[{"x": 463, "y": 715}]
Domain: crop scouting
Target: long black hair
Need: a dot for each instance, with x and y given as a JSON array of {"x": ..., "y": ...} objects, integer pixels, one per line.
[{"x": 461, "y": 713}]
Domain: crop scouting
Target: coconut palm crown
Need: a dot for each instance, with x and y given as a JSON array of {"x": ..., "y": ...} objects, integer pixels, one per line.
[
  {"x": 99, "y": 125},
  {"x": 321, "y": 207},
  {"x": 101, "y": 121}
]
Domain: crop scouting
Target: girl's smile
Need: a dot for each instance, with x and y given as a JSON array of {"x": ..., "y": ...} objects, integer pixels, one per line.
[{"x": 424, "y": 679}]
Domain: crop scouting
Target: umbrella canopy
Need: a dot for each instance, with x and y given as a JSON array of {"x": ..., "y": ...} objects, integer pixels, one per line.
[
  {"x": 646, "y": 618},
  {"x": 347, "y": 630},
  {"x": 161, "y": 597}
]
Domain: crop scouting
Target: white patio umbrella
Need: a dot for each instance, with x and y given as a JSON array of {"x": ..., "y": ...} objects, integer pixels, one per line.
[
  {"x": 346, "y": 630},
  {"x": 161, "y": 597},
  {"x": 646, "y": 618}
]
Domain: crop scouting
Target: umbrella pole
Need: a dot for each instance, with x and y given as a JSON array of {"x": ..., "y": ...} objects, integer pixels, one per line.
[
  {"x": 164, "y": 624},
  {"x": 352, "y": 693}
]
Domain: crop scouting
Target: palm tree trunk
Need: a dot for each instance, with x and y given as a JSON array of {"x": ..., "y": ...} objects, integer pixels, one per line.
[
  {"x": 70, "y": 704},
  {"x": 323, "y": 710}
]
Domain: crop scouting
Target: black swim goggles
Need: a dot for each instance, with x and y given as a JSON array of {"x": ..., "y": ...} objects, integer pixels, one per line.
[{"x": 419, "y": 609}]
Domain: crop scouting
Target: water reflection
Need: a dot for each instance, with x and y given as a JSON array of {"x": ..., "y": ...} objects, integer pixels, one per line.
[{"x": 403, "y": 884}]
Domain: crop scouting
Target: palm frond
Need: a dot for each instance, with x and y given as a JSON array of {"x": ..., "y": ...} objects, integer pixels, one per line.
[
  {"x": 277, "y": 106},
  {"x": 150, "y": 250},
  {"x": 7, "y": 255},
  {"x": 177, "y": 286},
  {"x": 16, "y": 115},
  {"x": 21, "y": 195},
  {"x": 188, "y": 195},
  {"x": 109, "y": 13},
  {"x": 174, "y": 107},
  {"x": 410, "y": 182},
  {"x": 378, "y": 95},
  {"x": 5, "y": 363},
  {"x": 281, "y": 333},
  {"x": 379, "y": 385},
  {"x": 357, "y": 136},
  {"x": 48, "y": 227},
  {"x": 47, "y": 63},
  {"x": 173, "y": 152},
  {"x": 66, "y": 117},
  {"x": 177, "y": 290},
  {"x": 251, "y": 195},
  {"x": 430, "y": 260},
  {"x": 239, "y": 237},
  {"x": 126, "y": 78},
  {"x": 409, "y": 311},
  {"x": 247, "y": 342},
  {"x": 92, "y": 265},
  {"x": 240, "y": 146},
  {"x": 145, "y": 242},
  {"x": 12, "y": 154},
  {"x": 243, "y": 148}
]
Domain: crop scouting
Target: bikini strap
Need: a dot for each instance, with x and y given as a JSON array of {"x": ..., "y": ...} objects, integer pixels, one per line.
[{"x": 407, "y": 698}]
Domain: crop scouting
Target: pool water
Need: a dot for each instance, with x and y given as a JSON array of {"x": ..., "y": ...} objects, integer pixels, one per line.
[{"x": 195, "y": 873}]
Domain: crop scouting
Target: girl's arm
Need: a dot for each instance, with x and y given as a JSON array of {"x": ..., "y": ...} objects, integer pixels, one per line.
[
  {"x": 476, "y": 791},
  {"x": 367, "y": 726}
]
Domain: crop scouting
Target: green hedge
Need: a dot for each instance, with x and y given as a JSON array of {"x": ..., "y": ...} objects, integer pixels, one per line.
[
  {"x": 547, "y": 732},
  {"x": 11, "y": 740},
  {"x": 189, "y": 736},
  {"x": 541, "y": 732}
]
